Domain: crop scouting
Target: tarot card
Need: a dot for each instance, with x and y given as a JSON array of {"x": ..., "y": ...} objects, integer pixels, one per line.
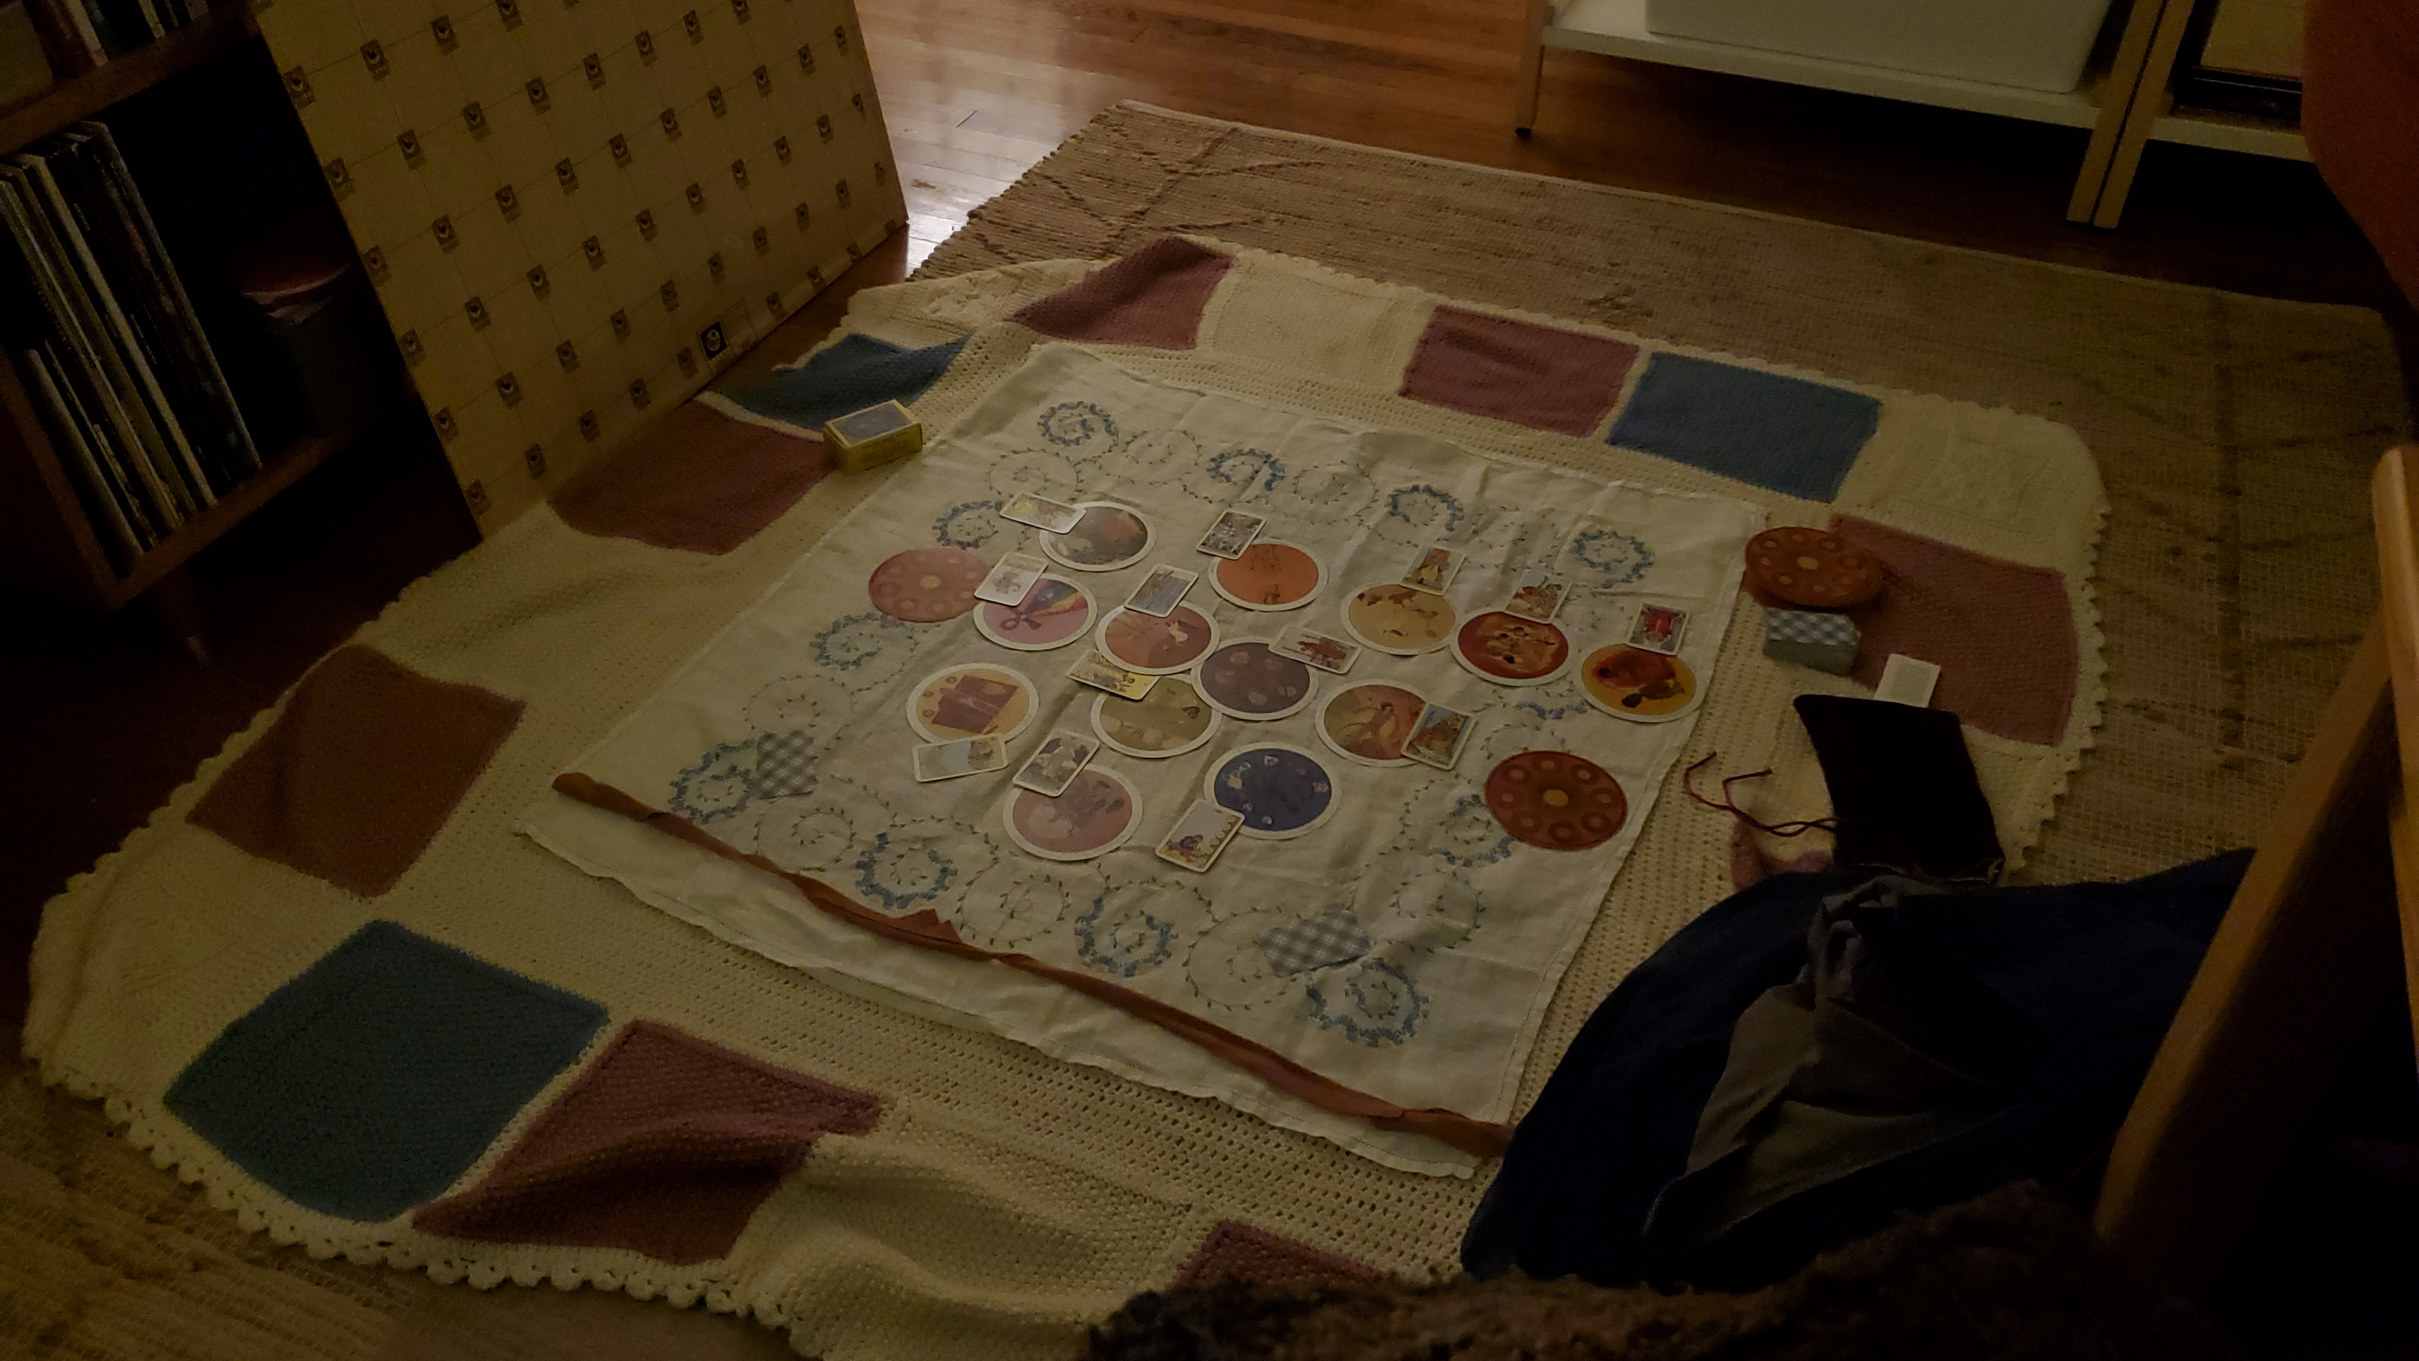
[
  {"x": 1324, "y": 651},
  {"x": 1160, "y": 592},
  {"x": 965, "y": 756},
  {"x": 1100, "y": 673},
  {"x": 1009, "y": 582},
  {"x": 1437, "y": 738},
  {"x": 1907, "y": 680},
  {"x": 1537, "y": 597},
  {"x": 1055, "y": 765},
  {"x": 1659, "y": 628},
  {"x": 1040, "y": 512},
  {"x": 1197, "y": 838},
  {"x": 1230, "y": 536},
  {"x": 1434, "y": 570}
]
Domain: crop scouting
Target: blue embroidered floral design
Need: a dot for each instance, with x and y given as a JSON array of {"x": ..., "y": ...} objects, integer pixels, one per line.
[
  {"x": 1622, "y": 558},
  {"x": 1375, "y": 1004},
  {"x": 1469, "y": 836},
  {"x": 853, "y": 640},
  {"x": 1069, "y": 424},
  {"x": 900, "y": 874},
  {"x": 1424, "y": 508},
  {"x": 1247, "y": 469},
  {"x": 1126, "y": 946},
  {"x": 969, "y": 524},
  {"x": 717, "y": 786},
  {"x": 1562, "y": 709}
]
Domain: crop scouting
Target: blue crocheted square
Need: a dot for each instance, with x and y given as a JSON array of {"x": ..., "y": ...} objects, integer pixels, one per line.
[
  {"x": 1779, "y": 433},
  {"x": 851, "y": 374},
  {"x": 378, "y": 1075}
]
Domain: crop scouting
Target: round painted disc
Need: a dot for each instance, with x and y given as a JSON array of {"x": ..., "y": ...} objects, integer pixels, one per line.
[
  {"x": 1157, "y": 646},
  {"x": 1281, "y": 791},
  {"x": 1799, "y": 565},
  {"x": 927, "y": 585},
  {"x": 1632, "y": 682},
  {"x": 1109, "y": 536},
  {"x": 1053, "y": 614},
  {"x": 1556, "y": 800},
  {"x": 1169, "y": 721},
  {"x": 970, "y": 701},
  {"x": 1398, "y": 620},
  {"x": 1370, "y": 722},
  {"x": 1269, "y": 576},
  {"x": 1095, "y": 815},
  {"x": 1247, "y": 680},
  {"x": 1512, "y": 650}
]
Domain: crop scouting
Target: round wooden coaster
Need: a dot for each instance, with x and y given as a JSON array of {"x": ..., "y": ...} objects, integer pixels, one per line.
[
  {"x": 1811, "y": 567},
  {"x": 1556, "y": 800},
  {"x": 927, "y": 585}
]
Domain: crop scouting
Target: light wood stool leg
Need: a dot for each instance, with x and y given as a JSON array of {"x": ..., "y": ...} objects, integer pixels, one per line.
[{"x": 1532, "y": 68}]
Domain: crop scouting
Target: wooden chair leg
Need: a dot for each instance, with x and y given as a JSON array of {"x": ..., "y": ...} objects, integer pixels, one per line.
[
  {"x": 2118, "y": 90},
  {"x": 1532, "y": 68},
  {"x": 2309, "y": 953}
]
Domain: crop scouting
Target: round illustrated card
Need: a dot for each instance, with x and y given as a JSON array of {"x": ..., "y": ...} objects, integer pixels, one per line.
[
  {"x": 1109, "y": 536},
  {"x": 1246, "y": 680},
  {"x": 1631, "y": 682},
  {"x": 1169, "y": 721},
  {"x": 1510, "y": 650},
  {"x": 1369, "y": 723},
  {"x": 1280, "y": 791},
  {"x": 1053, "y": 614},
  {"x": 1095, "y": 815},
  {"x": 927, "y": 585},
  {"x": 1800, "y": 565},
  {"x": 971, "y": 701},
  {"x": 1270, "y": 576},
  {"x": 1556, "y": 800},
  {"x": 1398, "y": 620},
  {"x": 1155, "y": 646}
]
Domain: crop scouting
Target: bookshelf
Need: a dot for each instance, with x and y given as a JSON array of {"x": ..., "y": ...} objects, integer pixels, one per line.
[{"x": 47, "y": 537}]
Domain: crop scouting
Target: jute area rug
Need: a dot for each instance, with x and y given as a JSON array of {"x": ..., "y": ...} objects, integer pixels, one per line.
[{"x": 2234, "y": 436}]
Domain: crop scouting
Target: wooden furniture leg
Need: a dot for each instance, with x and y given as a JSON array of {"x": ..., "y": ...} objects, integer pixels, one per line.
[
  {"x": 1532, "y": 67},
  {"x": 2305, "y": 958},
  {"x": 2153, "y": 96},
  {"x": 2394, "y": 493},
  {"x": 2118, "y": 91}
]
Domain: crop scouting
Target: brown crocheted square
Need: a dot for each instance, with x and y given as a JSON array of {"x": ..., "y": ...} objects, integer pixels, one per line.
[
  {"x": 1515, "y": 371},
  {"x": 665, "y": 1146},
  {"x": 1236, "y": 1251},
  {"x": 1152, "y": 297},
  {"x": 697, "y": 481},
  {"x": 353, "y": 780}
]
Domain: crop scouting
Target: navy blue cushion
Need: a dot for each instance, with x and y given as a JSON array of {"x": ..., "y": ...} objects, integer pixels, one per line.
[{"x": 851, "y": 374}]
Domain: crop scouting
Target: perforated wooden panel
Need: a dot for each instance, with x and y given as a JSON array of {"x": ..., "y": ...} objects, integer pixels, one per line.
[{"x": 574, "y": 210}]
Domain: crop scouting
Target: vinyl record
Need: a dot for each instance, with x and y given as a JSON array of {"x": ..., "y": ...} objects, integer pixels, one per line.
[
  {"x": 1270, "y": 576},
  {"x": 1800, "y": 565},
  {"x": 1054, "y": 613},
  {"x": 1510, "y": 650},
  {"x": 1281, "y": 791},
  {"x": 1109, "y": 536},
  {"x": 1246, "y": 680},
  {"x": 1556, "y": 800},
  {"x": 927, "y": 585},
  {"x": 1369, "y": 722},
  {"x": 1157, "y": 646},
  {"x": 971, "y": 701},
  {"x": 1634, "y": 683},
  {"x": 1395, "y": 619},
  {"x": 1094, "y": 815},
  {"x": 1169, "y": 721}
]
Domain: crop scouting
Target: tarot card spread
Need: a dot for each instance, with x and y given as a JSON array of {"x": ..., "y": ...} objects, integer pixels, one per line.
[{"x": 1370, "y": 805}]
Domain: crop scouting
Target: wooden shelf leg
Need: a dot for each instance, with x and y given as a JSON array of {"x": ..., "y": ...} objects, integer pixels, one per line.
[
  {"x": 1532, "y": 67},
  {"x": 179, "y": 606}
]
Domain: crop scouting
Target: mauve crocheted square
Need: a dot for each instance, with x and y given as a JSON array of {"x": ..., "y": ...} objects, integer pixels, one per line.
[
  {"x": 1517, "y": 371},
  {"x": 1152, "y": 297}
]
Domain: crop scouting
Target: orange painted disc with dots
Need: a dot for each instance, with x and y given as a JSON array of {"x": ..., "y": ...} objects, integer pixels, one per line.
[
  {"x": 1811, "y": 567},
  {"x": 1556, "y": 800}
]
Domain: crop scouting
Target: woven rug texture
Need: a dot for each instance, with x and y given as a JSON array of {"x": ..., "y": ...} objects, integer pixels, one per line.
[{"x": 2233, "y": 434}]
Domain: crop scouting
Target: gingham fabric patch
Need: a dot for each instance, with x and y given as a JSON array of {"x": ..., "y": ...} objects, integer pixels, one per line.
[
  {"x": 785, "y": 765},
  {"x": 1330, "y": 938},
  {"x": 1809, "y": 626}
]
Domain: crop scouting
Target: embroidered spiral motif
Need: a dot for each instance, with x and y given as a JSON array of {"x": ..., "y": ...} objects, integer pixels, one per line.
[
  {"x": 1616, "y": 558},
  {"x": 1376, "y": 1003},
  {"x": 1469, "y": 836},
  {"x": 896, "y": 874},
  {"x": 854, "y": 639},
  {"x": 717, "y": 786},
  {"x": 969, "y": 524},
  {"x": 1425, "y": 509},
  {"x": 1124, "y": 940},
  {"x": 1246, "y": 469},
  {"x": 1071, "y": 425}
]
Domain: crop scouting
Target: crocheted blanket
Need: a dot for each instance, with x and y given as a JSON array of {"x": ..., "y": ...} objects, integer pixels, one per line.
[{"x": 334, "y": 984}]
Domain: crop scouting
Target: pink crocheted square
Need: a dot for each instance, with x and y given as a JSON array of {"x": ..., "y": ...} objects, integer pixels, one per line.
[
  {"x": 665, "y": 1146},
  {"x": 1235, "y": 1251},
  {"x": 360, "y": 771},
  {"x": 2002, "y": 633},
  {"x": 1516, "y": 371},
  {"x": 697, "y": 481},
  {"x": 1152, "y": 297}
]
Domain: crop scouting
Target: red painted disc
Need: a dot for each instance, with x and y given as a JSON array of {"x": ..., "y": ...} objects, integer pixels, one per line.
[
  {"x": 927, "y": 585},
  {"x": 1799, "y": 565},
  {"x": 1556, "y": 800}
]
